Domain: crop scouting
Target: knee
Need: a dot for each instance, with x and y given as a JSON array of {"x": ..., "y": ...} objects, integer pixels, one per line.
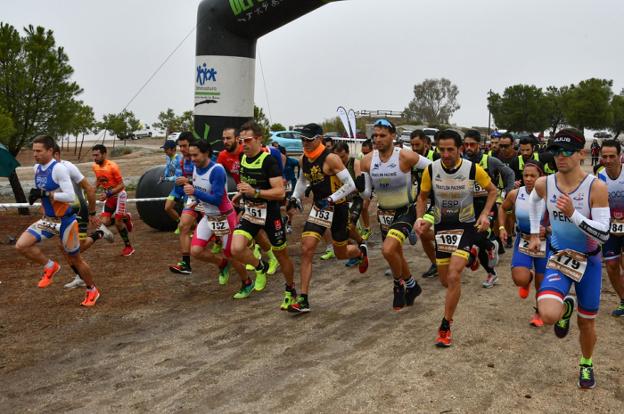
[
  {"x": 307, "y": 250},
  {"x": 387, "y": 251},
  {"x": 21, "y": 247},
  {"x": 586, "y": 324},
  {"x": 196, "y": 250},
  {"x": 549, "y": 314}
]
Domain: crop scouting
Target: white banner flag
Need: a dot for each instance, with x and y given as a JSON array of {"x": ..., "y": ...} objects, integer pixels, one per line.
[
  {"x": 351, "y": 115},
  {"x": 344, "y": 118}
]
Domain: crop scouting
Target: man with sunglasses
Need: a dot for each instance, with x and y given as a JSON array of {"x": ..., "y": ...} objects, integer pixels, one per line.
[
  {"x": 388, "y": 170},
  {"x": 331, "y": 183},
  {"x": 578, "y": 208},
  {"x": 262, "y": 189},
  {"x": 498, "y": 172},
  {"x": 506, "y": 154},
  {"x": 452, "y": 181},
  {"x": 527, "y": 152}
]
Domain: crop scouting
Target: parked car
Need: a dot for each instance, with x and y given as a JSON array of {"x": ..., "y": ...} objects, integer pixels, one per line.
[
  {"x": 603, "y": 135},
  {"x": 291, "y": 140},
  {"x": 404, "y": 138},
  {"x": 173, "y": 136}
]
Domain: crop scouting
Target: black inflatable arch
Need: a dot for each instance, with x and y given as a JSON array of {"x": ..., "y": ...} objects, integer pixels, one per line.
[{"x": 227, "y": 32}]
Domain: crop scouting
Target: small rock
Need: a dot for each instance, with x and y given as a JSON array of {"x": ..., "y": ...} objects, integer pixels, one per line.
[
  {"x": 527, "y": 396},
  {"x": 490, "y": 365}
]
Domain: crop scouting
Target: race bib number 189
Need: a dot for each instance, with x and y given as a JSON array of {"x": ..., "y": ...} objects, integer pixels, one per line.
[{"x": 448, "y": 241}]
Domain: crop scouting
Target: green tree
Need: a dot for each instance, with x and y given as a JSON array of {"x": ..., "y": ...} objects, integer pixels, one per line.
[
  {"x": 278, "y": 127},
  {"x": 35, "y": 88},
  {"x": 7, "y": 129},
  {"x": 262, "y": 120},
  {"x": 553, "y": 107},
  {"x": 587, "y": 105},
  {"x": 170, "y": 122},
  {"x": 617, "y": 110},
  {"x": 120, "y": 125},
  {"x": 520, "y": 108},
  {"x": 333, "y": 125},
  {"x": 435, "y": 101}
]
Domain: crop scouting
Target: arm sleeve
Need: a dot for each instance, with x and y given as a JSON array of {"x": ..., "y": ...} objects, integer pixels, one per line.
[
  {"x": 66, "y": 194},
  {"x": 537, "y": 207},
  {"x": 425, "y": 181},
  {"x": 74, "y": 173},
  {"x": 422, "y": 163},
  {"x": 217, "y": 183},
  {"x": 368, "y": 186},
  {"x": 348, "y": 186},
  {"x": 481, "y": 177},
  {"x": 598, "y": 227},
  {"x": 300, "y": 187}
]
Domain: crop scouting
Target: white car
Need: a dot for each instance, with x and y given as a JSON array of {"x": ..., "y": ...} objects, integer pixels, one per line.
[{"x": 173, "y": 136}]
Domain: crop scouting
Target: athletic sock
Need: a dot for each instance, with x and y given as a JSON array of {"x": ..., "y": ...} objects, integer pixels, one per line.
[
  {"x": 97, "y": 235},
  {"x": 586, "y": 361},
  {"x": 445, "y": 325},
  {"x": 262, "y": 266},
  {"x": 186, "y": 258},
  {"x": 410, "y": 283},
  {"x": 124, "y": 236},
  {"x": 50, "y": 264},
  {"x": 290, "y": 289},
  {"x": 91, "y": 288}
]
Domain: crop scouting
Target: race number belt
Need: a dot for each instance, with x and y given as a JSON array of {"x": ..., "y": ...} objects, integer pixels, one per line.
[
  {"x": 617, "y": 227},
  {"x": 385, "y": 218},
  {"x": 448, "y": 241},
  {"x": 255, "y": 213},
  {"x": 219, "y": 225},
  {"x": 569, "y": 262},
  {"x": 523, "y": 247},
  {"x": 49, "y": 224},
  {"x": 321, "y": 217}
]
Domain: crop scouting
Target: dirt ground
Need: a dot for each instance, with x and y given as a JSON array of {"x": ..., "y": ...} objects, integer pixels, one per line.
[{"x": 158, "y": 342}]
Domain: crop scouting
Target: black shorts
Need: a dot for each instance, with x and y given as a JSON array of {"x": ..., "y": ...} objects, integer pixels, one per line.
[
  {"x": 339, "y": 226},
  {"x": 355, "y": 211},
  {"x": 273, "y": 226},
  {"x": 397, "y": 223},
  {"x": 82, "y": 217},
  {"x": 469, "y": 237}
]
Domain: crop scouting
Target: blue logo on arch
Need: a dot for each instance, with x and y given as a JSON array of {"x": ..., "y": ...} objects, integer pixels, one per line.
[{"x": 205, "y": 74}]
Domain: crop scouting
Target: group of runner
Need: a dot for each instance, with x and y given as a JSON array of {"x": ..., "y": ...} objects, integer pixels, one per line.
[{"x": 462, "y": 203}]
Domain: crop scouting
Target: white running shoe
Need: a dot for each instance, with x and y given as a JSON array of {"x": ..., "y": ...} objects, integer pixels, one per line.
[
  {"x": 493, "y": 257},
  {"x": 491, "y": 280},
  {"x": 77, "y": 282},
  {"x": 108, "y": 235}
]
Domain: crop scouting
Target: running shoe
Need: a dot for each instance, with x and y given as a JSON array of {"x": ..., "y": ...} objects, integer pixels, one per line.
[
  {"x": 273, "y": 265},
  {"x": 329, "y": 254},
  {"x": 128, "y": 222},
  {"x": 523, "y": 291},
  {"x": 586, "y": 377},
  {"x": 76, "y": 282},
  {"x": 562, "y": 327},
  {"x": 216, "y": 248},
  {"x": 257, "y": 255},
  {"x": 491, "y": 280},
  {"x": 127, "y": 251},
  {"x": 177, "y": 231},
  {"x": 261, "y": 277},
  {"x": 619, "y": 311},
  {"x": 398, "y": 301},
  {"x": 536, "y": 321},
  {"x": 91, "y": 297},
  {"x": 352, "y": 262},
  {"x": 106, "y": 233},
  {"x": 288, "y": 229},
  {"x": 48, "y": 274},
  {"x": 224, "y": 274},
  {"x": 301, "y": 305},
  {"x": 412, "y": 237},
  {"x": 473, "y": 260},
  {"x": 432, "y": 272},
  {"x": 493, "y": 254},
  {"x": 411, "y": 294},
  {"x": 388, "y": 272},
  {"x": 245, "y": 290},
  {"x": 501, "y": 248},
  {"x": 444, "y": 338},
  {"x": 509, "y": 244},
  {"x": 365, "y": 233},
  {"x": 363, "y": 264},
  {"x": 287, "y": 301},
  {"x": 181, "y": 268}
]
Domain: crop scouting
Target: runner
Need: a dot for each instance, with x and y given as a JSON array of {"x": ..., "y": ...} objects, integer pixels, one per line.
[
  {"x": 323, "y": 171},
  {"x": 525, "y": 265},
  {"x": 528, "y": 152},
  {"x": 189, "y": 217},
  {"x": 365, "y": 231},
  {"x": 174, "y": 161},
  {"x": 488, "y": 253},
  {"x": 231, "y": 153},
  {"x": 613, "y": 175},
  {"x": 108, "y": 178},
  {"x": 261, "y": 188},
  {"x": 219, "y": 218},
  {"x": 291, "y": 180},
  {"x": 421, "y": 144},
  {"x": 452, "y": 181},
  {"x": 389, "y": 170},
  {"x": 578, "y": 208},
  {"x": 506, "y": 154},
  {"x": 494, "y": 142},
  {"x": 54, "y": 187}
]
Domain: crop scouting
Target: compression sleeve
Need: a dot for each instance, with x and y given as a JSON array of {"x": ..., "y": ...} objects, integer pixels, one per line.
[
  {"x": 368, "y": 186},
  {"x": 348, "y": 186},
  {"x": 598, "y": 227},
  {"x": 537, "y": 207},
  {"x": 300, "y": 187},
  {"x": 422, "y": 163},
  {"x": 217, "y": 184},
  {"x": 61, "y": 176}
]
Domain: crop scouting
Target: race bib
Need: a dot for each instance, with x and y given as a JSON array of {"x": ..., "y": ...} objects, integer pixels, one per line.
[
  {"x": 569, "y": 262},
  {"x": 385, "y": 218},
  {"x": 255, "y": 213},
  {"x": 479, "y": 191},
  {"x": 219, "y": 225},
  {"x": 523, "y": 247},
  {"x": 321, "y": 217},
  {"x": 448, "y": 241},
  {"x": 50, "y": 225},
  {"x": 617, "y": 227}
]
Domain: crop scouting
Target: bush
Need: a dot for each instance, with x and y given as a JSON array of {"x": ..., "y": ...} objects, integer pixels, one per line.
[{"x": 119, "y": 151}]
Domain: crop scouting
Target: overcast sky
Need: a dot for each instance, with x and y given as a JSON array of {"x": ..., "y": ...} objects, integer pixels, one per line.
[{"x": 362, "y": 54}]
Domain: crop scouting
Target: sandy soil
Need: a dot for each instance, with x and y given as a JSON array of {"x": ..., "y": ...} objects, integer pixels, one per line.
[{"x": 158, "y": 342}]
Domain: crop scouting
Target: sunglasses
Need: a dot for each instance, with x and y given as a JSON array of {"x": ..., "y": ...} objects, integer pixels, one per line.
[
  {"x": 504, "y": 146},
  {"x": 565, "y": 153},
  {"x": 385, "y": 123},
  {"x": 245, "y": 140},
  {"x": 309, "y": 139}
]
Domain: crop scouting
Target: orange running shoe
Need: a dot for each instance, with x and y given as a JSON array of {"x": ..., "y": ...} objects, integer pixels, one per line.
[
  {"x": 91, "y": 297},
  {"x": 444, "y": 338},
  {"x": 536, "y": 321},
  {"x": 523, "y": 291},
  {"x": 127, "y": 251},
  {"x": 48, "y": 273}
]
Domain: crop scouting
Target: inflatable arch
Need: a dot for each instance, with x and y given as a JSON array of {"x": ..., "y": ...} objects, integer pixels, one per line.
[{"x": 227, "y": 32}]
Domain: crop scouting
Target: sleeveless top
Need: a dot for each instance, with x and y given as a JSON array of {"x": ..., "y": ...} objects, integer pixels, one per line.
[
  {"x": 322, "y": 185},
  {"x": 521, "y": 211},
  {"x": 45, "y": 181},
  {"x": 453, "y": 192},
  {"x": 565, "y": 234},
  {"x": 392, "y": 186},
  {"x": 616, "y": 193},
  {"x": 201, "y": 180}
]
